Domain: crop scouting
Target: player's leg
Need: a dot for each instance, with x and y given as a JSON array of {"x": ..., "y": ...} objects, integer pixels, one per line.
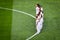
[{"x": 39, "y": 26}]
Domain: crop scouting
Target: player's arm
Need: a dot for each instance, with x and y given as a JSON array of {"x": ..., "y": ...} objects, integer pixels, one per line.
[
  {"x": 40, "y": 17},
  {"x": 38, "y": 20}
]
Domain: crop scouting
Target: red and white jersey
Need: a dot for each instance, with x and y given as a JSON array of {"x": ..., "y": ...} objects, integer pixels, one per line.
[
  {"x": 41, "y": 13},
  {"x": 38, "y": 10}
]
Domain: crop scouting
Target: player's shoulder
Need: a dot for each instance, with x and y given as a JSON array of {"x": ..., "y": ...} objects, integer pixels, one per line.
[{"x": 41, "y": 8}]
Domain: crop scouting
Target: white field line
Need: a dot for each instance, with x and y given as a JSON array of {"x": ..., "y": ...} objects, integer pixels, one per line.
[
  {"x": 18, "y": 11},
  {"x": 23, "y": 13}
]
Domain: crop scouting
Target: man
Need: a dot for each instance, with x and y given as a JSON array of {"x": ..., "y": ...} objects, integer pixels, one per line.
[{"x": 39, "y": 20}]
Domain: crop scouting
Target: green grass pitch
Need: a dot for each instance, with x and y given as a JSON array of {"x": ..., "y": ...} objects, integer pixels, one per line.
[{"x": 18, "y": 26}]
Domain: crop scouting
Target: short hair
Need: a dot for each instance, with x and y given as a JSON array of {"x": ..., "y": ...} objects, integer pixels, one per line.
[{"x": 38, "y": 5}]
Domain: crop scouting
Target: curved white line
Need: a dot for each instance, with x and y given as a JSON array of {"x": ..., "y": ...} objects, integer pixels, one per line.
[
  {"x": 18, "y": 11},
  {"x": 23, "y": 13}
]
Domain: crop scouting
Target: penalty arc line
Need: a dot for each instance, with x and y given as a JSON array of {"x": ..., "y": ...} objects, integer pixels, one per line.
[
  {"x": 23, "y": 13},
  {"x": 18, "y": 11}
]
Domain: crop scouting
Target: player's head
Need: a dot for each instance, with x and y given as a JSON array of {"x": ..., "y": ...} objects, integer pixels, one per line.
[{"x": 38, "y": 5}]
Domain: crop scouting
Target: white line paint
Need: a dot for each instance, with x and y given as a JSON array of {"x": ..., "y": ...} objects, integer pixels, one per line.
[
  {"x": 23, "y": 13},
  {"x": 18, "y": 11},
  {"x": 32, "y": 36}
]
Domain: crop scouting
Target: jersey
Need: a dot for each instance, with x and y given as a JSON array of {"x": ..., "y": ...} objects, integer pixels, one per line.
[
  {"x": 41, "y": 13},
  {"x": 38, "y": 10}
]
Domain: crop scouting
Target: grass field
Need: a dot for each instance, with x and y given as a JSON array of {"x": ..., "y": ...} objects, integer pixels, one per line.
[{"x": 18, "y": 26}]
